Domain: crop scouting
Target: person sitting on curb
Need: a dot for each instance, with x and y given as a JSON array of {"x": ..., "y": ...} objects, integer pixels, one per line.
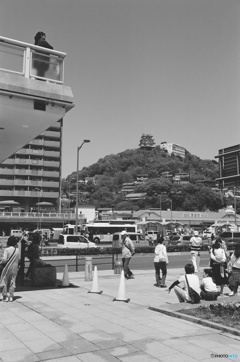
[
  {"x": 128, "y": 250},
  {"x": 192, "y": 280},
  {"x": 209, "y": 289}
]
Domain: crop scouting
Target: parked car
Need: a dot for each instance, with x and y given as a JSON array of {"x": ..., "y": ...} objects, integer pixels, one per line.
[{"x": 75, "y": 241}]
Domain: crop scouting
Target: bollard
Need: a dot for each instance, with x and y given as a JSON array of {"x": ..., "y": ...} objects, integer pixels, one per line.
[
  {"x": 118, "y": 267},
  {"x": 88, "y": 268}
]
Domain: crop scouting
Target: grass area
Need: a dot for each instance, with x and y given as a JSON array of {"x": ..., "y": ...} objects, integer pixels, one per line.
[{"x": 227, "y": 314}]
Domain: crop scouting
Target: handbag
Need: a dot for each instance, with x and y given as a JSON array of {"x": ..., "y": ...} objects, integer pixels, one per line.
[
  {"x": 3, "y": 264},
  {"x": 195, "y": 297}
]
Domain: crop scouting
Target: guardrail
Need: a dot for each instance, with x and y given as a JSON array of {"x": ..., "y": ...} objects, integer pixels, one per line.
[
  {"x": 19, "y": 214},
  {"x": 24, "y": 59},
  {"x": 77, "y": 262}
]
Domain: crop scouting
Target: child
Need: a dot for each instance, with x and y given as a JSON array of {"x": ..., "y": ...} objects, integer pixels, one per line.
[{"x": 208, "y": 287}]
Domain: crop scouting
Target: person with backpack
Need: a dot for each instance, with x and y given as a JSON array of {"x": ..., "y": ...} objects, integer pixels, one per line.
[{"x": 128, "y": 250}]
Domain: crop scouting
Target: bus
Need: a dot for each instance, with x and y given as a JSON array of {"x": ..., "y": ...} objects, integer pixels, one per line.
[{"x": 103, "y": 232}]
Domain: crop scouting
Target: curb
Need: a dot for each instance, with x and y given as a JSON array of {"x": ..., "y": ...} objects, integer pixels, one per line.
[{"x": 196, "y": 320}]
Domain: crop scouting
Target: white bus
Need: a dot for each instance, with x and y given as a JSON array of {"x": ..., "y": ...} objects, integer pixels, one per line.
[{"x": 103, "y": 232}]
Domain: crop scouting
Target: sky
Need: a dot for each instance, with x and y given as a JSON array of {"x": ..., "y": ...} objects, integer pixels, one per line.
[{"x": 169, "y": 68}]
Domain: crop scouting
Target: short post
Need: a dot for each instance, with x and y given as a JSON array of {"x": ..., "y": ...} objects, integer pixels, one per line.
[
  {"x": 118, "y": 267},
  {"x": 88, "y": 268},
  {"x": 77, "y": 262}
]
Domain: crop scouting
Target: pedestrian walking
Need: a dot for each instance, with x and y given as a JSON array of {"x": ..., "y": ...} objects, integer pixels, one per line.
[
  {"x": 128, "y": 250},
  {"x": 9, "y": 270},
  {"x": 234, "y": 264},
  {"x": 196, "y": 246},
  {"x": 160, "y": 262}
]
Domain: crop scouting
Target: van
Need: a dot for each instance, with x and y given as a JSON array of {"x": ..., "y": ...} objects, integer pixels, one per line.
[
  {"x": 74, "y": 241},
  {"x": 137, "y": 238},
  {"x": 55, "y": 233}
]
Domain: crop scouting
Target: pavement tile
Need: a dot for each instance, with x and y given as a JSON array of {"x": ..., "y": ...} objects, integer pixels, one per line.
[
  {"x": 110, "y": 343},
  {"x": 18, "y": 355},
  {"x": 96, "y": 336},
  {"x": 79, "y": 346},
  {"x": 6, "y": 334},
  {"x": 58, "y": 353},
  {"x": 64, "y": 359},
  {"x": 19, "y": 327},
  {"x": 188, "y": 349},
  {"x": 9, "y": 344},
  {"x": 138, "y": 357},
  {"x": 130, "y": 336},
  {"x": 47, "y": 326},
  {"x": 62, "y": 335},
  {"x": 42, "y": 345},
  {"x": 124, "y": 350},
  {"x": 81, "y": 327},
  {"x": 179, "y": 357},
  {"x": 29, "y": 335},
  {"x": 143, "y": 329},
  {"x": 154, "y": 348},
  {"x": 98, "y": 356}
]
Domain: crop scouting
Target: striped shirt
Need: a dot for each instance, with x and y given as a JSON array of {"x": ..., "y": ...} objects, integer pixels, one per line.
[{"x": 196, "y": 243}]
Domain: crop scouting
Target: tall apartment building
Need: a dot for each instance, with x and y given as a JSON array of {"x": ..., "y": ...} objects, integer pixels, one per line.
[
  {"x": 33, "y": 173},
  {"x": 173, "y": 148},
  {"x": 229, "y": 170}
]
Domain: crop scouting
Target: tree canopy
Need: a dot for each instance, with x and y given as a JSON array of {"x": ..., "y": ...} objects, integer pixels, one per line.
[{"x": 109, "y": 174}]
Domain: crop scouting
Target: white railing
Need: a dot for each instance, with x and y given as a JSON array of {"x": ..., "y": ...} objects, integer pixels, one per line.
[
  {"x": 31, "y": 61},
  {"x": 65, "y": 215}
]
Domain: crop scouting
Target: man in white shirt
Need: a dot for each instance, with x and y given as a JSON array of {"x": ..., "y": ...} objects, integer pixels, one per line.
[
  {"x": 128, "y": 250},
  {"x": 196, "y": 246},
  {"x": 192, "y": 281}
]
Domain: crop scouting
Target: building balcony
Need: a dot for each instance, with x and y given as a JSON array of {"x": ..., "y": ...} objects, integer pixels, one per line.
[
  {"x": 30, "y": 102},
  {"x": 52, "y": 134}
]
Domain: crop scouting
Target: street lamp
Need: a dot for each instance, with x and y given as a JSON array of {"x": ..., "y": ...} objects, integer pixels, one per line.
[
  {"x": 78, "y": 149},
  {"x": 36, "y": 189}
]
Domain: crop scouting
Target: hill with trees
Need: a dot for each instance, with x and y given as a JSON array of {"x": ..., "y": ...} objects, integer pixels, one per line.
[{"x": 102, "y": 183}]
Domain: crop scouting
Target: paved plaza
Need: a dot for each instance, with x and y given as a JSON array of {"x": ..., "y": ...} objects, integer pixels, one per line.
[{"x": 72, "y": 325}]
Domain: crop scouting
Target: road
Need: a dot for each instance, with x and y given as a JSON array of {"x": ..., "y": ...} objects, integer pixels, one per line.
[{"x": 138, "y": 262}]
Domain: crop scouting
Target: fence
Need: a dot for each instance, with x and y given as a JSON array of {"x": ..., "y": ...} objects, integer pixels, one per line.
[{"x": 77, "y": 262}]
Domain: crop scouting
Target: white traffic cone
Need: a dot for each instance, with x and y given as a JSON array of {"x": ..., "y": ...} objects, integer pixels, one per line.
[
  {"x": 65, "y": 281},
  {"x": 121, "y": 291},
  {"x": 95, "y": 288}
]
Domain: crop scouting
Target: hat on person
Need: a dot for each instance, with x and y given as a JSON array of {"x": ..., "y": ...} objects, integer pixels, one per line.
[
  {"x": 124, "y": 232},
  {"x": 195, "y": 233}
]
